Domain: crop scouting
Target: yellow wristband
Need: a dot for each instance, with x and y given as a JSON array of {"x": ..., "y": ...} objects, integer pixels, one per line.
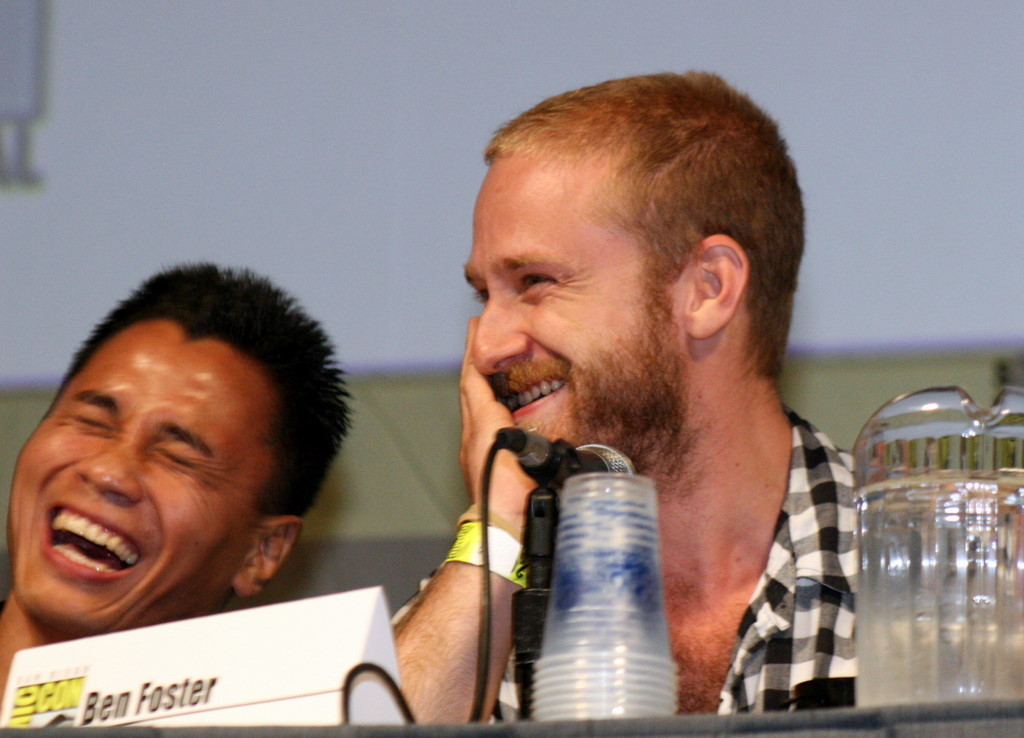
[
  {"x": 506, "y": 555},
  {"x": 472, "y": 515}
]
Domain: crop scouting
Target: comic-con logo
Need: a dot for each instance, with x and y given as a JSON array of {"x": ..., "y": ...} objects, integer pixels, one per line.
[{"x": 48, "y": 703}]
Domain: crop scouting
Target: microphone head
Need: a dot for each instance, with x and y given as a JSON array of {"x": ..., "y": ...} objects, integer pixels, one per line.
[{"x": 613, "y": 459}]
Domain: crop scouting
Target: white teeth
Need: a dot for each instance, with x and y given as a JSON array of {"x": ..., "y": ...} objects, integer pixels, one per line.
[
  {"x": 541, "y": 390},
  {"x": 94, "y": 533},
  {"x": 75, "y": 555}
]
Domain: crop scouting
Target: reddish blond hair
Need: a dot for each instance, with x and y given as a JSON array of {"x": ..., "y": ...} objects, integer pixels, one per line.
[{"x": 691, "y": 157}]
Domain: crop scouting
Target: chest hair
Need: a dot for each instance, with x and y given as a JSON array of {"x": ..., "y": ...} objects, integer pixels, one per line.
[{"x": 702, "y": 633}]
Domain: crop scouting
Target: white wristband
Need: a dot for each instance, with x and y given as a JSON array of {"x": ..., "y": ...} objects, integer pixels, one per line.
[{"x": 504, "y": 550}]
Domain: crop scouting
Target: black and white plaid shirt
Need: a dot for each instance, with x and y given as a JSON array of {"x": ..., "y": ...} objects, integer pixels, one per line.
[{"x": 799, "y": 623}]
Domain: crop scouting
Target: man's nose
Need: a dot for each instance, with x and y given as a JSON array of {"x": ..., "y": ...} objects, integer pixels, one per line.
[
  {"x": 114, "y": 474},
  {"x": 501, "y": 338}
]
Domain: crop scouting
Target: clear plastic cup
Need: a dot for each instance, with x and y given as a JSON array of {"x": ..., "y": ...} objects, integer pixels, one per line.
[
  {"x": 583, "y": 705},
  {"x": 606, "y": 651}
]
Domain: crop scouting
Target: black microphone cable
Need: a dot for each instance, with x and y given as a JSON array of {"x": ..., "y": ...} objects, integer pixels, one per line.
[
  {"x": 483, "y": 657},
  {"x": 370, "y": 670}
]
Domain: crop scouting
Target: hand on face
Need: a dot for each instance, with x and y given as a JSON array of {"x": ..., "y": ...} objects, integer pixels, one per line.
[{"x": 482, "y": 417}]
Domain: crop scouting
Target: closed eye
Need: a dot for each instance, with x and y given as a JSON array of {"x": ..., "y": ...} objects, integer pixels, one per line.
[
  {"x": 171, "y": 433},
  {"x": 179, "y": 460},
  {"x": 533, "y": 279},
  {"x": 93, "y": 423},
  {"x": 95, "y": 410},
  {"x": 530, "y": 283}
]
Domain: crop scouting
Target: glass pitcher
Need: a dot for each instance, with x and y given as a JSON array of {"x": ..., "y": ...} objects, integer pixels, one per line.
[{"x": 940, "y": 594}]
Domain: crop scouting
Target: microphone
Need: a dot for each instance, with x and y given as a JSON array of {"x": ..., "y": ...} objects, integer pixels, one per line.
[{"x": 552, "y": 461}]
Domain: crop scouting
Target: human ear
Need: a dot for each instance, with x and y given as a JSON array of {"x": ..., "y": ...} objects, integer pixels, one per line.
[
  {"x": 716, "y": 280},
  {"x": 274, "y": 539}
]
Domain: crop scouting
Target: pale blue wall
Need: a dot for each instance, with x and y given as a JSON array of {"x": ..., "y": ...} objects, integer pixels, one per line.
[{"x": 335, "y": 145}]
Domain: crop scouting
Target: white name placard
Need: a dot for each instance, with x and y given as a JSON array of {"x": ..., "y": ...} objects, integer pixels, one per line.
[{"x": 276, "y": 665}]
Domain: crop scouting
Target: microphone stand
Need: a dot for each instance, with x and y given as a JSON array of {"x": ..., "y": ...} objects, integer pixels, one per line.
[{"x": 530, "y": 604}]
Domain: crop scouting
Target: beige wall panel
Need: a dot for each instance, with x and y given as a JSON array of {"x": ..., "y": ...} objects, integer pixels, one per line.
[{"x": 398, "y": 474}]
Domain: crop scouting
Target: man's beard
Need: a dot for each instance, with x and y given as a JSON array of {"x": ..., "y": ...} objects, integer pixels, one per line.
[{"x": 632, "y": 398}]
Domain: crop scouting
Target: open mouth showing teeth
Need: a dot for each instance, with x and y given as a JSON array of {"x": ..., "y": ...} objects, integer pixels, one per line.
[
  {"x": 89, "y": 543},
  {"x": 515, "y": 400}
]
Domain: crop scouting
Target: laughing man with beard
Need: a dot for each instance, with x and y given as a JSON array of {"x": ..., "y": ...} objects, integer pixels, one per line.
[
  {"x": 190, "y": 434},
  {"x": 635, "y": 252}
]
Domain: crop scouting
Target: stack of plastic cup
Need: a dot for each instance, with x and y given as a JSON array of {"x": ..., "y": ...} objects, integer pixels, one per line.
[{"x": 605, "y": 652}]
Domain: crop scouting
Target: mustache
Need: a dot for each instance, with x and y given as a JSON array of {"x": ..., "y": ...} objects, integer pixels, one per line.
[{"x": 508, "y": 384}]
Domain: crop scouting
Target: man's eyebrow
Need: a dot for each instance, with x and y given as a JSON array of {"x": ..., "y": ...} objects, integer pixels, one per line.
[
  {"x": 98, "y": 399},
  {"x": 509, "y": 264},
  {"x": 190, "y": 438},
  {"x": 527, "y": 261}
]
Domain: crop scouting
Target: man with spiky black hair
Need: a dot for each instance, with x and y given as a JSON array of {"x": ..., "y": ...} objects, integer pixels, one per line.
[{"x": 191, "y": 432}]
